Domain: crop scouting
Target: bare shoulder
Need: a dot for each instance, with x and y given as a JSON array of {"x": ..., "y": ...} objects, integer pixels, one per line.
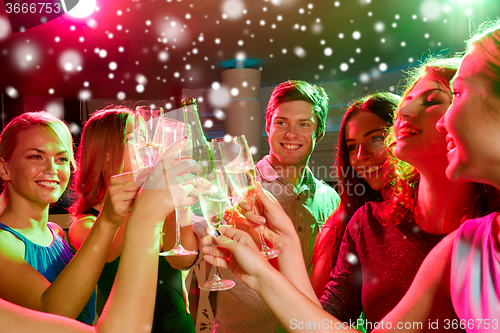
[
  {"x": 11, "y": 247},
  {"x": 20, "y": 283},
  {"x": 436, "y": 268},
  {"x": 84, "y": 221},
  {"x": 446, "y": 244},
  {"x": 79, "y": 229},
  {"x": 57, "y": 228},
  {"x": 441, "y": 253}
]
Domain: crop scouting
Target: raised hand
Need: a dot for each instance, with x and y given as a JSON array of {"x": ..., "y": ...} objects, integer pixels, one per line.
[
  {"x": 119, "y": 198},
  {"x": 171, "y": 182}
]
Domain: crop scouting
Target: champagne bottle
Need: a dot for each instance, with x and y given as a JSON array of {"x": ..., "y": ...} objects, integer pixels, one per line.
[
  {"x": 201, "y": 152},
  {"x": 200, "y": 144}
]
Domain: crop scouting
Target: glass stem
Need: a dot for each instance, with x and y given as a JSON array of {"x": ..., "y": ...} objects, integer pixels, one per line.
[
  {"x": 216, "y": 271},
  {"x": 177, "y": 229},
  {"x": 263, "y": 245}
]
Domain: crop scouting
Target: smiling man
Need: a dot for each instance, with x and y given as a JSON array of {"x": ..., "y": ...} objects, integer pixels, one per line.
[{"x": 295, "y": 122}]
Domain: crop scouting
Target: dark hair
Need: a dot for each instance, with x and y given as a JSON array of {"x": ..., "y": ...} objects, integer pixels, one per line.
[
  {"x": 99, "y": 155},
  {"x": 295, "y": 90},
  {"x": 327, "y": 246}
]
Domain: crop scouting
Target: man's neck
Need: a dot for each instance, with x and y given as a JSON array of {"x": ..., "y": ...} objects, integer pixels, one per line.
[{"x": 293, "y": 174}]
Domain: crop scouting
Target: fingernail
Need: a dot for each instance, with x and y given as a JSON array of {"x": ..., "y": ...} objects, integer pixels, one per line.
[
  {"x": 185, "y": 137},
  {"x": 217, "y": 233}
]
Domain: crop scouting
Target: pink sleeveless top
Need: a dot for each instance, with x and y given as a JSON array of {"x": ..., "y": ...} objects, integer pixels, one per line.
[{"x": 475, "y": 276}]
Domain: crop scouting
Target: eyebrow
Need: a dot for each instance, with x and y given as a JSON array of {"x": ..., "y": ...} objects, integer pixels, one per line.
[
  {"x": 366, "y": 134},
  {"x": 428, "y": 91},
  {"x": 39, "y": 150},
  {"x": 284, "y": 118}
]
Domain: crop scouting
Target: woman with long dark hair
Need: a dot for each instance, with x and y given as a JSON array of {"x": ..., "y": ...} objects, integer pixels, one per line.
[{"x": 358, "y": 164}]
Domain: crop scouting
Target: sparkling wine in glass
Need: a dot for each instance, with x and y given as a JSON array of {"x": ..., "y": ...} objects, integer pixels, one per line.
[
  {"x": 240, "y": 170},
  {"x": 169, "y": 131},
  {"x": 213, "y": 203},
  {"x": 147, "y": 151}
]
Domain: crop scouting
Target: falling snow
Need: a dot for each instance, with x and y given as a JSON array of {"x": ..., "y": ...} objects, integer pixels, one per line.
[
  {"x": 379, "y": 26},
  {"x": 352, "y": 258},
  {"x": 208, "y": 123},
  {"x": 85, "y": 94},
  {"x": 299, "y": 52},
  {"x": 219, "y": 114},
  {"x": 184, "y": 42},
  {"x": 11, "y": 92},
  {"x": 70, "y": 61}
]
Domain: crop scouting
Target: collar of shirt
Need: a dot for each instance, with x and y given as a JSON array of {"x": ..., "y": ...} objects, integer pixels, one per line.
[{"x": 268, "y": 173}]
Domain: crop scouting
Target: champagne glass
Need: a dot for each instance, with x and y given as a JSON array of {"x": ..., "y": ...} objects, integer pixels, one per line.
[
  {"x": 213, "y": 204},
  {"x": 169, "y": 131},
  {"x": 147, "y": 151},
  {"x": 240, "y": 170}
]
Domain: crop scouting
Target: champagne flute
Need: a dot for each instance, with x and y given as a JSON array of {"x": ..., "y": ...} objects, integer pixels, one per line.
[
  {"x": 240, "y": 170},
  {"x": 169, "y": 131},
  {"x": 147, "y": 151},
  {"x": 213, "y": 204}
]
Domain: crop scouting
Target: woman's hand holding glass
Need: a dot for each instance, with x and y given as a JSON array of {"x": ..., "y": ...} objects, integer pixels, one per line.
[
  {"x": 238, "y": 253},
  {"x": 213, "y": 203},
  {"x": 271, "y": 219},
  {"x": 168, "y": 131},
  {"x": 170, "y": 182},
  {"x": 238, "y": 164}
]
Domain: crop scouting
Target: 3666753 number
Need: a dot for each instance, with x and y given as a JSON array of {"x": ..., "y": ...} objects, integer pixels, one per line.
[
  {"x": 40, "y": 7},
  {"x": 471, "y": 324}
]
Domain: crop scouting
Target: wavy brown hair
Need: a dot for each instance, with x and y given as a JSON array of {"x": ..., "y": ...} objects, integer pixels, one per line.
[
  {"x": 99, "y": 156},
  {"x": 401, "y": 180}
]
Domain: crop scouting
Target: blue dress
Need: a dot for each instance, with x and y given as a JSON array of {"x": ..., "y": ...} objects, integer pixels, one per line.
[{"x": 50, "y": 261}]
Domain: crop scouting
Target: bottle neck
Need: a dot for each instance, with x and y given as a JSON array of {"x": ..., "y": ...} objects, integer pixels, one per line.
[{"x": 191, "y": 117}]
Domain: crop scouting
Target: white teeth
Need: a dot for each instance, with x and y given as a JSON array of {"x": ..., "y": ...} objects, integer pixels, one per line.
[
  {"x": 373, "y": 168},
  {"x": 408, "y": 130},
  {"x": 48, "y": 184},
  {"x": 291, "y": 146},
  {"x": 450, "y": 145}
]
